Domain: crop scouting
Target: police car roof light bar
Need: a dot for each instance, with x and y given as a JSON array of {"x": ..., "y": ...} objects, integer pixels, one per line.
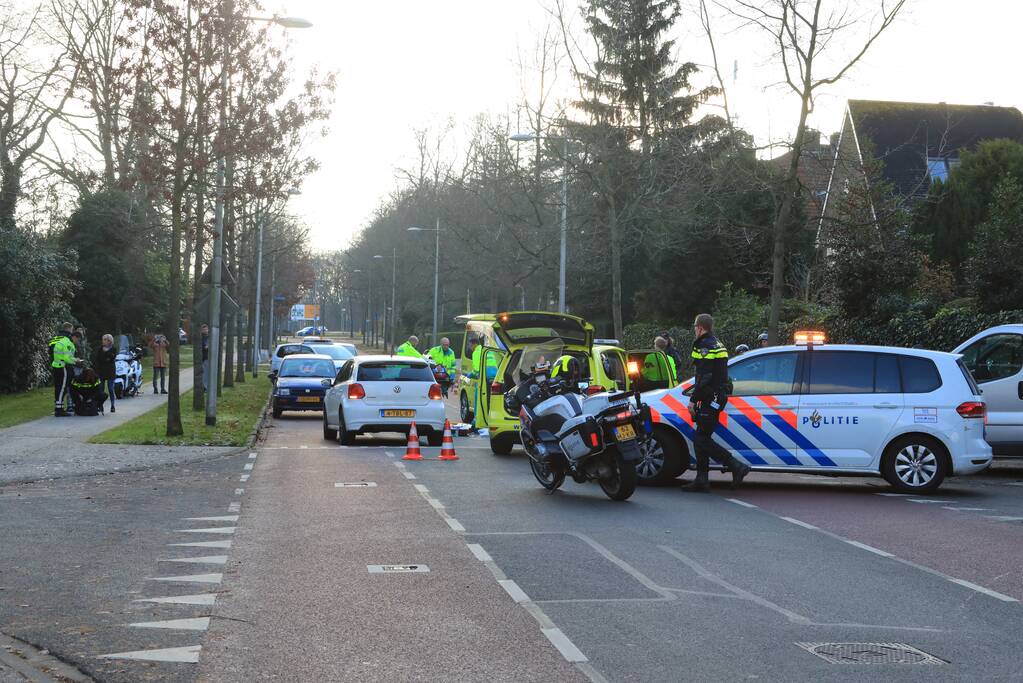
[{"x": 809, "y": 338}]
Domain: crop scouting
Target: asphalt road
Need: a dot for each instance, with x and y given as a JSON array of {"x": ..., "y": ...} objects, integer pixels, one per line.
[{"x": 522, "y": 585}]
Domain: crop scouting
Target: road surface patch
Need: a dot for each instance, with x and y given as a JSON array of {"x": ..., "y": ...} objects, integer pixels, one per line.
[{"x": 870, "y": 653}]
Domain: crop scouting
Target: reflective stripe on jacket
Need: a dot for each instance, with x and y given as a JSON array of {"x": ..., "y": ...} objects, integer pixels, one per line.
[{"x": 62, "y": 351}]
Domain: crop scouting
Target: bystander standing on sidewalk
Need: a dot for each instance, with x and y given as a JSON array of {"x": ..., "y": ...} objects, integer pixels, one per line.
[
  {"x": 205, "y": 341},
  {"x": 105, "y": 363},
  {"x": 159, "y": 346}
]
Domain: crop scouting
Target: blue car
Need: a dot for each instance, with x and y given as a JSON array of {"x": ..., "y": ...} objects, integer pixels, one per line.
[
  {"x": 302, "y": 382},
  {"x": 311, "y": 331}
]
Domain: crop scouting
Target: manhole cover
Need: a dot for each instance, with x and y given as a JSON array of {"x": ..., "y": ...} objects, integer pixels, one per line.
[
  {"x": 397, "y": 568},
  {"x": 870, "y": 653}
]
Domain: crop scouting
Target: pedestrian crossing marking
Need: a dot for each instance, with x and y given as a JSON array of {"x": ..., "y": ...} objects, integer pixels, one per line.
[
  {"x": 196, "y": 624},
  {"x": 209, "y": 530},
  {"x": 203, "y": 544},
  {"x": 198, "y": 599},
  {"x": 222, "y": 518},
  {"x": 207, "y": 559},
  {"x": 190, "y": 578}
]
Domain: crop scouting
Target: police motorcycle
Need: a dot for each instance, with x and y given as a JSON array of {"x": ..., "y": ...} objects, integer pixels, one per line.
[
  {"x": 128, "y": 368},
  {"x": 441, "y": 376},
  {"x": 568, "y": 433}
]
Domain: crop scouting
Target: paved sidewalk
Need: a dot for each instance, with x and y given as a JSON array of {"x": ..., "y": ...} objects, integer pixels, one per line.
[{"x": 55, "y": 447}]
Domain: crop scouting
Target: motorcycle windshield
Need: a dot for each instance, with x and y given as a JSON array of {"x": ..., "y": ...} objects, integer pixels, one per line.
[{"x": 533, "y": 355}]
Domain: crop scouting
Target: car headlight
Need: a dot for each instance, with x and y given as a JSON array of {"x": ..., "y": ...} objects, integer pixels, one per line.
[{"x": 284, "y": 392}]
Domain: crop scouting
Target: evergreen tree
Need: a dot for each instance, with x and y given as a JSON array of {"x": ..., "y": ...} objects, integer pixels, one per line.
[{"x": 994, "y": 270}]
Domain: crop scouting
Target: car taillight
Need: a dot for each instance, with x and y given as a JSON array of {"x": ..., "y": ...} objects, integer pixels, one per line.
[
  {"x": 594, "y": 440},
  {"x": 496, "y": 388},
  {"x": 355, "y": 391},
  {"x": 972, "y": 409},
  {"x": 435, "y": 392},
  {"x": 595, "y": 389}
]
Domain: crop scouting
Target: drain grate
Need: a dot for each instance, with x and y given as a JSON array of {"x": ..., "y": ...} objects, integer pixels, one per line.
[
  {"x": 355, "y": 484},
  {"x": 870, "y": 653}
]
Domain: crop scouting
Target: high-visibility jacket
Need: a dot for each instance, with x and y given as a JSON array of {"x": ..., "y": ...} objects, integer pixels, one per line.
[
  {"x": 654, "y": 371},
  {"x": 477, "y": 358},
  {"x": 443, "y": 358},
  {"x": 62, "y": 351},
  {"x": 407, "y": 349}
]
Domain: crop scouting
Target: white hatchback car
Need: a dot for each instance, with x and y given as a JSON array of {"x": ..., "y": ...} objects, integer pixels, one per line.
[
  {"x": 908, "y": 415},
  {"x": 373, "y": 394}
]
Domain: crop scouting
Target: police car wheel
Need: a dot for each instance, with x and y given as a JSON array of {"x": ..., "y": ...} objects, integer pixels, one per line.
[
  {"x": 915, "y": 464},
  {"x": 661, "y": 462},
  {"x": 463, "y": 408}
]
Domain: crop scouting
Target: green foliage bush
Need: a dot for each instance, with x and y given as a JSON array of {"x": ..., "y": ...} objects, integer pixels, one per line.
[{"x": 37, "y": 284}]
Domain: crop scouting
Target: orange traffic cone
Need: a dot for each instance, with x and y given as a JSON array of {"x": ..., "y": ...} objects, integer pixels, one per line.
[
  {"x": 447, "y": 445},
  {"x": 412, "y": 450}
]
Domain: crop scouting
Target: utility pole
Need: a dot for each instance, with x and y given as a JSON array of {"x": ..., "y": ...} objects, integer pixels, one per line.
[{"x": 218, "y": 233}]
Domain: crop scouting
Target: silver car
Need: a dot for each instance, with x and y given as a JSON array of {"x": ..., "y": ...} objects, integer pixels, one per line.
[
  {"x": 374, "y": 394},
  {"x": 995, "y": 359}
]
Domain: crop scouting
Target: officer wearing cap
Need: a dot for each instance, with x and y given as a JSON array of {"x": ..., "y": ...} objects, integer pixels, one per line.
[{"x": 706, "y": 401}]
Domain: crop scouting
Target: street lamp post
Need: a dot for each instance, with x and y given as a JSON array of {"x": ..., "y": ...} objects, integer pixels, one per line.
[
  {"x": 394, "y": 289},
  {"x": 216, "y": 266},
  {"x": 436, "y": 275},
  {"x": 529, "y": 137},
  {"x": 259, "y": 286}
]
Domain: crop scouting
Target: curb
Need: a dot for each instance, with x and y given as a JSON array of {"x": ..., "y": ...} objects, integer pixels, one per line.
[{"x": 35, "y": 665}]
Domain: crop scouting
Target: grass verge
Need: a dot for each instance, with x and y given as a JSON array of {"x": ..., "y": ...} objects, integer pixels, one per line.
[
  {"x": 26, "y": 406},
  {"x": 237, "y": 412}
]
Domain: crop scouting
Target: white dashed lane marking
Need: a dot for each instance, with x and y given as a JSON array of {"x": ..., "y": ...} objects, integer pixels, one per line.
[
  {"x": 189, "y": 578},
  {"x": 248, "y": 466},
  {"x": 244, "y": 478},
  {"x": 203, "y": 544},
  {"x": 252, "y": 456},
  {"x": 197, "y": 624},
  {"x": 199, "y": 599},
  {"x": 742, "y": 503},
  {"x": 186, "y": 655},
  {"x": 210, "y": 530},
  {"x": 222, "y": 518},
  {"x": 208, "y": 559},
  {"x": 239, "y": 492}
]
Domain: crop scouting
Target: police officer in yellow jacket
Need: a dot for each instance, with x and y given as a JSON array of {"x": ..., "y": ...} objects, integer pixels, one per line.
[
  {"x": 707, "y": 400},
  {"x": 62, "y": 363}
]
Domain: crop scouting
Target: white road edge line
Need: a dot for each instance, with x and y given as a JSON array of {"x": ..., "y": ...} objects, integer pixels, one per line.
[
  {"x": 239, "y": 492},
  {"x": 409, "y": 475},
  {"x": 481, "y": 554},
  {"x": 252, "y": 456},
  {"x": 868, "y": 548},
  {"x": 513, "y": 590},
  {"x": 741, "y": 502},
  {"x": 565, "y": 646},
  {"x": 454, "y": 524},
  {"x": 801, "y": 523},
  {"x": 244, "y": 478},
  {"x": 986, "y": 591}
]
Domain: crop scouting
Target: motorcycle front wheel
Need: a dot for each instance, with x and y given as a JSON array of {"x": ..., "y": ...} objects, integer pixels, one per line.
[
  {"x": 620, "y": 482},
  {"x": 549, "y": 478}
]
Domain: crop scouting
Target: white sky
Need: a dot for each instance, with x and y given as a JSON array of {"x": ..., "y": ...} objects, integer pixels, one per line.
[{"x": 405, "y": 64}]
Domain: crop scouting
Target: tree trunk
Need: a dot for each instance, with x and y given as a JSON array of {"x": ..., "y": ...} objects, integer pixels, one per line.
[
  {"x": 616, "y": 269},
  {"x": 10, "y": 187},
  {"x": 790, "y": 192}
]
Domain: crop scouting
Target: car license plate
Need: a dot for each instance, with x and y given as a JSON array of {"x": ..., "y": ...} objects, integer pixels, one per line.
[
  {"x": 397, "y": 413},
  {"x": 625, "y": 432},
  {"x": 308, "y": 399}
]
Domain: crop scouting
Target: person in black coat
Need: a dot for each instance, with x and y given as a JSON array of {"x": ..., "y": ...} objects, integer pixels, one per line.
[
  {"x": 88, "y": 392},
  {"x": 104, "y": 361}
]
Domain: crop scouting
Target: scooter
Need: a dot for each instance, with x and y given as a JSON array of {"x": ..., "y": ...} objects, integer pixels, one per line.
[
  {"x": 588, "y": 437},
  {"x": 128, "y": 366}
]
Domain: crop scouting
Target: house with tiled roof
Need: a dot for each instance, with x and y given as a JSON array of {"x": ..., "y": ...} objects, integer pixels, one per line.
[{"x": 915, "y": 143}]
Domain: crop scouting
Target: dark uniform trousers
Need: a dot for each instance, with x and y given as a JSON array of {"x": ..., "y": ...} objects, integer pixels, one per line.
[
  {"x": 704, "y": 444},
  {"x": 61, "y": 385}
]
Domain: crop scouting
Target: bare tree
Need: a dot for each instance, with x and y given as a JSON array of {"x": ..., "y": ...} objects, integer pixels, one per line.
[
  {"x": 806, "y": 34},
  {"x": 37, "y": 79}
]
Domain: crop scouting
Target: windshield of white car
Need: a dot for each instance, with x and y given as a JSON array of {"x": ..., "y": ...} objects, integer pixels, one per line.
[
  {"x": 394, "y": 371},
  {"x": 307, "y": 367},
  {"x": 335, "y": 352}
]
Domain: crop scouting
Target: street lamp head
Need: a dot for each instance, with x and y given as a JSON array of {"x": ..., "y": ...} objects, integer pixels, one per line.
[
  {"x": 414, "y": 229},
  {"x": 377, "y": 256},
  {"x": 292, "y": 22},
  {"x": 292, "y": 191},
  {"x": 522, "y": 137}
]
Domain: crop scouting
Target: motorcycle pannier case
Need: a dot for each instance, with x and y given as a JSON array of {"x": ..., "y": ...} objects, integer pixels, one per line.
[{"x": 580, "y": 437}]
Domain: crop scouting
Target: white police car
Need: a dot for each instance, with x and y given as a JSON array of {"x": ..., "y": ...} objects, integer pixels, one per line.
[{"x": 911, "y": 416}]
